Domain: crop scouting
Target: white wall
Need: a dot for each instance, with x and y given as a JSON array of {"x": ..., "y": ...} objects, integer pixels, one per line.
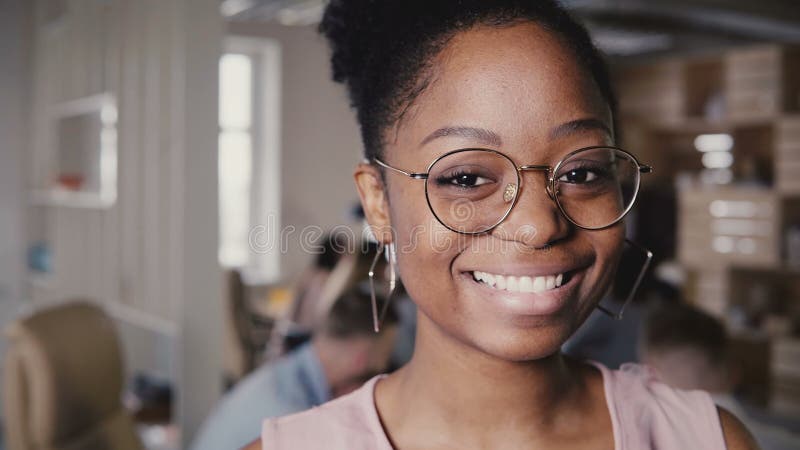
[
  {"x": 320, "y": 141},
  {"x": 151, "y": 258},
  {"x": 199, "y": 286},
  {"x": 14, "y": 51}
]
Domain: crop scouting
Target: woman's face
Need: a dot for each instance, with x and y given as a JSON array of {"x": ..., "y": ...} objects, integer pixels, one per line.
[{"x": 511, "y": 89}]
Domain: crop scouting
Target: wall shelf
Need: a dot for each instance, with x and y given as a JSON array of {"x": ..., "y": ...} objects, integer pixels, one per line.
[{"x": 79, "y": 155}]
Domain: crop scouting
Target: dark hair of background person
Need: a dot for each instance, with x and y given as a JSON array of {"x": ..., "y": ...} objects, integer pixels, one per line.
[
  {"x": 334, "y": 245},
  {"x": 680, "y": 325},
  {"x": 383, "y": 50},
  {"x": 351, "y": 315}
]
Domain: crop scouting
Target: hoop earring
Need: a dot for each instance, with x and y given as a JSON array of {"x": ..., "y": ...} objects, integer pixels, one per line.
[
  {"x": 391, "y": 258},
  {"x": 648, "y": 256}
]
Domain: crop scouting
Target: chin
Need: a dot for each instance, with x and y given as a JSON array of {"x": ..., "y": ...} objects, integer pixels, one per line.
[{"x": 522, "y": 344}]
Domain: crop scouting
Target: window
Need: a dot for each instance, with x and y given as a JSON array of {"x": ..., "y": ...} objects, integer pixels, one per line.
[
  {"x": 235, "y": 157},
  {"x": 249, "y": 157}
]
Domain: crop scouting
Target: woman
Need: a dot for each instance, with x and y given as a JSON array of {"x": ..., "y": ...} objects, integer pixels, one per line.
[{"x": 505, "y": 250}]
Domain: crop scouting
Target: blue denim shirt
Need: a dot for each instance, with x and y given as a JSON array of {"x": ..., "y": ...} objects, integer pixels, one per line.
[{"x": 293, "y": 383}]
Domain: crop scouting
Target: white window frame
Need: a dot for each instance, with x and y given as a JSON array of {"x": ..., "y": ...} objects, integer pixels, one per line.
[{"x": 265, "y": 200}]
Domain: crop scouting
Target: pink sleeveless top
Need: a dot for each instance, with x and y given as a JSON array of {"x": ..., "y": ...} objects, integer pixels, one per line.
[{"x": 645, "y": 413}]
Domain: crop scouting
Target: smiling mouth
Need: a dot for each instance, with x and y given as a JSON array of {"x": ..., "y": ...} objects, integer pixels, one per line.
[{"x": 526, "y": 284}]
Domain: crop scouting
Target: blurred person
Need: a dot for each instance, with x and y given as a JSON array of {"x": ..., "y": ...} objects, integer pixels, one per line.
[
  {"x": 337, "y": 266},
  {"x": 689, "y": 349},
  {"x": 343, "y": 353},
  {"x": 334, "y": 250}
]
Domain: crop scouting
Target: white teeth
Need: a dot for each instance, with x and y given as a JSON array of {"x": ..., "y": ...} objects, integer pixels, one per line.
[
  {"x": 512, "y": 284},
  {"x": 519, "y": 284},
  {"x": 539, "y": 284},
  {"x": 525, "y": 284}
]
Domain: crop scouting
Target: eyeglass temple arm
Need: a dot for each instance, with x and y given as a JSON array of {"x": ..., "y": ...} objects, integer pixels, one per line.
[
  {"x": 416, "y": 176},
  {"x": 644, "y": 168}
]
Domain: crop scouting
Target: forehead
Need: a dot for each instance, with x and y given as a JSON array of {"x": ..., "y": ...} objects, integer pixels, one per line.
[{"x": 518, "y": 81}]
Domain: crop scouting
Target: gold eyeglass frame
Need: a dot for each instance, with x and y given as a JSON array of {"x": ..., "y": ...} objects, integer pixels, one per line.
[{"x": 550, "y": 185}]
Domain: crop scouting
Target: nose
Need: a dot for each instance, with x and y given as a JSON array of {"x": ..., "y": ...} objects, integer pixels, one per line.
[{"x": 535, "y": 219}]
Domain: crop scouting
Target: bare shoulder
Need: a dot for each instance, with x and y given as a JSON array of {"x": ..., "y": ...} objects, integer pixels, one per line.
[
  {"x": 255, "y": 445},
  {"x": 736, "y": 435}
]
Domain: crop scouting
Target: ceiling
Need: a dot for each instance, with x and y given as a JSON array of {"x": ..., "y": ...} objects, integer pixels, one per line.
[{"x": 627, "y": 29}]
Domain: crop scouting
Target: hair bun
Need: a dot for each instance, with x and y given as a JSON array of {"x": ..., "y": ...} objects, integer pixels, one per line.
[
  {"x": 352, "y": 28},
  {"x": 382, "y": 50}
]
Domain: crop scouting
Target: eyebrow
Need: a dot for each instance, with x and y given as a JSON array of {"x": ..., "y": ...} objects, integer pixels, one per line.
[
  {"x": 486, "y": 137},
  {"x": 575, "y": 126}
]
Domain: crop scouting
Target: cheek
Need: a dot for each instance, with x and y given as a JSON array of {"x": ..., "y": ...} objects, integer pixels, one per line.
[
  {"x": 425, "y": 251},
  {"x": 425, "y": 248},
  {"x": 416, "y": 232}
]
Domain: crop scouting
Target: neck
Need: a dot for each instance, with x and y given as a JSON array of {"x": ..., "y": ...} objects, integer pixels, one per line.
[{"x": 465, "y": 390}]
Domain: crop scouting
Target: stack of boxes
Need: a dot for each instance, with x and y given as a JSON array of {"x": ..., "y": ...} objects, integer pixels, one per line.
[
  {"x": 785, "y": 370},
  {"x": 787, "y": 155},
  {"x": 732, "y": 237},
  {"x": 762, "y": 82}
]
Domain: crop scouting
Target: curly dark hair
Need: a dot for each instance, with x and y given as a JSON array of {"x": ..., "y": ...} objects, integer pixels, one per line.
[{"x": 383, "y": 49}]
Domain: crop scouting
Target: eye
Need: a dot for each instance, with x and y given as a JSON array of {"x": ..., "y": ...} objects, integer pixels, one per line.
[
  {"x": 463, "y": 180},
  {"x": 578, "y": 176}
]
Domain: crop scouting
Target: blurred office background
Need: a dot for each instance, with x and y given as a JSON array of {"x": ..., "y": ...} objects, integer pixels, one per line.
[{"x": 175, "y": 161}]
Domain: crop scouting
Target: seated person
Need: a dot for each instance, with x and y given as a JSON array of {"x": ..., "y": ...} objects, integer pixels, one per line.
[
  {"x": 343, "y": 353},
  {"x": 689, "y": 349}
]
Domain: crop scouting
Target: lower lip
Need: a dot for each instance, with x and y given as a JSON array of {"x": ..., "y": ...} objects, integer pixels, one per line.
[{"x": 527, "y": 303}]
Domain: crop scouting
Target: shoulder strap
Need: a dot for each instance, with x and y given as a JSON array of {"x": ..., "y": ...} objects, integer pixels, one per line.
[
  {"x": 347, "y": 423},
  {"x": 651, "y": 414}
]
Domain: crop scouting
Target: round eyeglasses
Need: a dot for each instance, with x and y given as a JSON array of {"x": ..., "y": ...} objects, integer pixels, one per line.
[{"x": 471, "y": 191}]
